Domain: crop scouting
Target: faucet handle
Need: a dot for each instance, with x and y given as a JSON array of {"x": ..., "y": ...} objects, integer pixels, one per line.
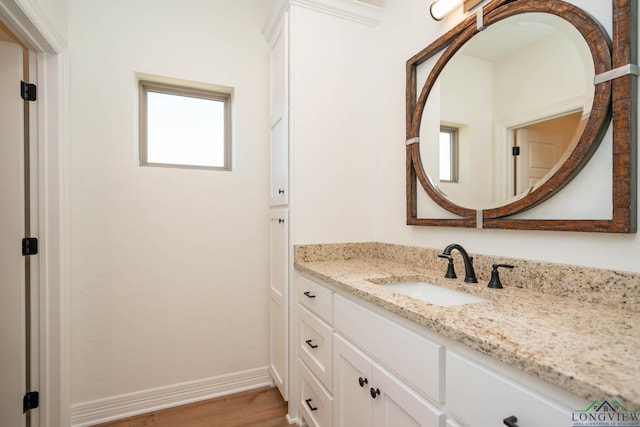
[
  {"x": 451, "y": 273},
  {"x": 495, "y": 282}
]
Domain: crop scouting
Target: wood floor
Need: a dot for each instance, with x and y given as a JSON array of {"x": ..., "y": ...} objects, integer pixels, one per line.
[{"x": 261, "y": 407}]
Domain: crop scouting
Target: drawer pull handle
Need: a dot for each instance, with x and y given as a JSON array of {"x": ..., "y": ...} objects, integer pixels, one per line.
[
  {"x": 308, "y": 402},
  {"x": 310, "y": 344},
  {"x": 362, "y": 381},
  {"x": 374, "y": 392},
  {"x": 511, "y": 421},
  {"x": 309, "y": 295}
]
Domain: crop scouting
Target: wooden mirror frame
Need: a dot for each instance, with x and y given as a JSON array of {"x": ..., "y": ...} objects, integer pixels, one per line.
[{"x": 615, "y": 99}]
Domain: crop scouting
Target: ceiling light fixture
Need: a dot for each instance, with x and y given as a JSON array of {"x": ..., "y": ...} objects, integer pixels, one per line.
[{"x": 441, "y": 8}]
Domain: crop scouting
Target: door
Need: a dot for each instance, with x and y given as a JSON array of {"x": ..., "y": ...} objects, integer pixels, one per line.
[
  {"x": 352, "y": 383},
  {"x": 278, "y": 300},
  {"x": 13, "y": 357},
  {"x": 279, "y": 121},
  {"x": 539, "y": 152},
  {"x": 397, "y": 405}
]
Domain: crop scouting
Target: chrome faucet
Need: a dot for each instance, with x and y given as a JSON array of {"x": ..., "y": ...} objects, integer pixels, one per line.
[{"x": 469, "y": 272}]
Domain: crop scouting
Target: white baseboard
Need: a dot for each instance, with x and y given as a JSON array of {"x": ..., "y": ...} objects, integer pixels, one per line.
[
  {"x": 140, "y": 402},
  {"x": 292, "y": 421}
]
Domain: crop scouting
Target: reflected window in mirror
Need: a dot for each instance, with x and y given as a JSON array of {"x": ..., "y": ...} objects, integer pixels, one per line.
[{"x": 448, "y": 153}]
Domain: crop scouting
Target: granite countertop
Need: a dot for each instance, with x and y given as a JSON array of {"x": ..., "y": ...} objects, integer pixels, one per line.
[{"x": 589, "y": 349}]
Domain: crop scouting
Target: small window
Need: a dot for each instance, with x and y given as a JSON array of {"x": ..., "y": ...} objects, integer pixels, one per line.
[
  {"x": 183, "y": 126},
  {"x": 448, "y": 154}
]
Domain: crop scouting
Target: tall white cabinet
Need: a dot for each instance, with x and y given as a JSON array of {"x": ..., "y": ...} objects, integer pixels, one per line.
[
  {"x": 323, "y": 144},
  {"x": 279, "y": 212}
]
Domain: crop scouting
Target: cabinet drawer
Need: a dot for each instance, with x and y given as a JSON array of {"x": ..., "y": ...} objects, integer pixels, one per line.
[
  {"x": 416, "y": 359},
  {"x": 316, "y": 298},
  {"x": 315, "y": 345},
  {"x": 315, "y": 404},
  {"x": 481, "y": 397}
]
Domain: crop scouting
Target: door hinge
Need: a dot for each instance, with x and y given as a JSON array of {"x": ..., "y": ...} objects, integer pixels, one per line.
[
  {"x": 27, "y": 91},
  {"x": 515, "y": 151},
  {"x": 29, "y": 246},
  {"x": 30, "y": 401}
]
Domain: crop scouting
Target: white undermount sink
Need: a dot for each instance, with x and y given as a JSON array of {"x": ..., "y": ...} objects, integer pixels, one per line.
[{"x": 433, "y": 294}]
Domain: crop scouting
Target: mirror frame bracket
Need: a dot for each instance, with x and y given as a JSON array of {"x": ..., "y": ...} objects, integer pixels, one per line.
[{"x": 623, "y": 92}]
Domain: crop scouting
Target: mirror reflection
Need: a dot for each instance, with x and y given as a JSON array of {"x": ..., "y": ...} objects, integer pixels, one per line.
[{"x": 507, "y": 110}]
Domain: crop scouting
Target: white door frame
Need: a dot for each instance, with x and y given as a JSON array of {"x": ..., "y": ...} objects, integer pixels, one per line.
[
  {"x": 503, "y": 164},
  {"x": 30, "y": 24}
]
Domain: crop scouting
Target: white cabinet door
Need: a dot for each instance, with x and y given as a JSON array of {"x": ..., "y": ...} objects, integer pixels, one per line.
[
  {"x": 278, "y": 294},
  {"x": 352, "y": 372},
  {"x": 367, "y": 395},
  {"x": 279, "y": 186},
  {"x": 396, "y": 405}
]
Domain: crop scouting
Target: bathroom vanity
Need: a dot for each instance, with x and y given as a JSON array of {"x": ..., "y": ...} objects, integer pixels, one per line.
[
  {"x": 368, "y": 355},
  {"x": 347, "y": 350}
]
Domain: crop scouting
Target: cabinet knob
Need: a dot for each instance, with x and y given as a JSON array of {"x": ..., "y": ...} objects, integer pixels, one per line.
[
  {"x": 309, "y": 294},
  {"x": 511, "y": 421},
  {"x": 362, "y": 381},
  {"x": 310, "y": 344},
  {"x": 308, "y": 402},
  {"x": 374, "y": 392},
  {"x": 280, "y": 220},
  {"x": 280, "y": 191}
]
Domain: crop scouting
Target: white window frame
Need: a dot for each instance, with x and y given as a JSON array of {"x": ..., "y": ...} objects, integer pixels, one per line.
[
  {"x": 453, "y": 133},
  {"x": 220, "y": 93}
]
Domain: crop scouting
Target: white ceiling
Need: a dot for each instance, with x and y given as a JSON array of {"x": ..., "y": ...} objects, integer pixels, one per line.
[{"x": 514, "y": 33}]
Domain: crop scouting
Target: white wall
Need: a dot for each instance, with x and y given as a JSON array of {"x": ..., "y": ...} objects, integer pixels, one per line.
[
  {"x": 169, "y": 267},
  {"x": 549, "y": 66},
  {"x": 406, "y": 29},
  {"x": 465, "y": 102},
  {"x": 56, "y": 11},
  {"x": 333, "y": 111}
]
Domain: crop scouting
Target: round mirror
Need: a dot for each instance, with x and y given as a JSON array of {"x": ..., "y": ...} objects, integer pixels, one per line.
[
  {"x": 507, "y": 110},
  {"x": 507, "y": 115}
]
